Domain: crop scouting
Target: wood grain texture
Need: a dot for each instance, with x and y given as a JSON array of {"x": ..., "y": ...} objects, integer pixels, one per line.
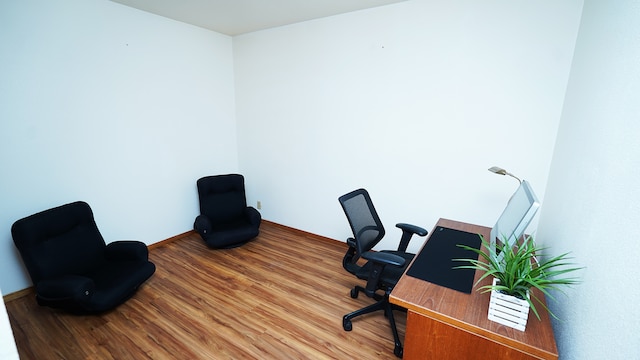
[
  {"x": 437, "y": 340},
  {"x": 281, "y": 296},
  {"x": 468, "y": 313}
]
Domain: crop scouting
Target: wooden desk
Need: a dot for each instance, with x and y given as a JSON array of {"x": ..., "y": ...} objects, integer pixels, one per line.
[{"x": 448, "y": 324}]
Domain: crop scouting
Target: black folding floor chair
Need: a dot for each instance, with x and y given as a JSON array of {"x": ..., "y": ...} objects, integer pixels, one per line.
[
  {"x": 225, "y": 220},
  {"x": 71, "y": 266}
]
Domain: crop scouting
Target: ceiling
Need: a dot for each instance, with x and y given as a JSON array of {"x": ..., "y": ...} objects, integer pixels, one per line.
[{"x": 235, "y": 17}]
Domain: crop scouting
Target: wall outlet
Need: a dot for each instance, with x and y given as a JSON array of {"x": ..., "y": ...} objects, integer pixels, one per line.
[{"x": 259, "y": 205}]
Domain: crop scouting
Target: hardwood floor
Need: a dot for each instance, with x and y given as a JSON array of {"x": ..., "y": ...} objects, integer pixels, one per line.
[{"x": 281, "y": 296}]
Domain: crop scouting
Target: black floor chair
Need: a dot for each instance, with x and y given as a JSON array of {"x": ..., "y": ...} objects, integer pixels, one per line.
[
  {"x": 225, "y": 220},
  {"x": 71, "y": 266}
]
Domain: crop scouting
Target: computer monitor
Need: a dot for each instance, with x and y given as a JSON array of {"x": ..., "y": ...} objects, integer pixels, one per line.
[{"x": 515, "y": 218}]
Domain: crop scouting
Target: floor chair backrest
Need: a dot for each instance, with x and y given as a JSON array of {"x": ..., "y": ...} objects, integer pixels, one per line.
[
  {"x": 222, "y": 197},
  {"x": 59, "y": 241}
]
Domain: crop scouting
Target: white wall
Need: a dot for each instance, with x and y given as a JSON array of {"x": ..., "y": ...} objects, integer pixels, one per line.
[
  {"x": 592, "y": 204},
  {"x": 413, "y": 101},
  {"x": 117, "y": 107}
]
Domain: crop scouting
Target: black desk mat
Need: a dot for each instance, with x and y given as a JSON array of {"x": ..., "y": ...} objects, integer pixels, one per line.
[{"x": 435, "y": 265}]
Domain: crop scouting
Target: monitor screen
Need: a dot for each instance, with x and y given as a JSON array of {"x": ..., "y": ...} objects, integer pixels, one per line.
[{"x": 515, "y": 218}]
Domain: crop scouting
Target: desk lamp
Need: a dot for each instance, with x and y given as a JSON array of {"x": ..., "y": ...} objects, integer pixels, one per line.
[{"x": 501, "y": 171}]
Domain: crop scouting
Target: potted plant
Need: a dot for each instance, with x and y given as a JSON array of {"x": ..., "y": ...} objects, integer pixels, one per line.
[{"x": 517, "y": 270}]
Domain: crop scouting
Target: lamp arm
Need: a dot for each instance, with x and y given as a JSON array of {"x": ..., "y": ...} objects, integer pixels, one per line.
[{"x": 515, "y": 177}]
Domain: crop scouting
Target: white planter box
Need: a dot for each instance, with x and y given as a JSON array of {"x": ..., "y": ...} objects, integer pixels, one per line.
[{"x": 508, "y": 310}]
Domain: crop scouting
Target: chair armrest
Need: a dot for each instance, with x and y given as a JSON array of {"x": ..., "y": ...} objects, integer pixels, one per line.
[
  {"x": 127, "y": 250},
  {"x": 379, "y": 260},
  {"x": 65, "y": 289},
  {"x": 202, "y": 225},
  {"x": 253, "y": 215},
  {"x": 408, "y": 231},
  {"x": 414, "y": 229},
  {"x": 384, "y": 258}
]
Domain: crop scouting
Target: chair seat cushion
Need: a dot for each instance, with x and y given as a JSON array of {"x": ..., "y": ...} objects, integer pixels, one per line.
[
  {"x": 111, "y": 285},
  {"x": 231, "y": 234},
  {"x": 116, "y": 282}
]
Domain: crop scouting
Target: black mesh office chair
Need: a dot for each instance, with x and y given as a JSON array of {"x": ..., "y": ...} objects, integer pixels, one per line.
[{"x": 383, "y": 268}]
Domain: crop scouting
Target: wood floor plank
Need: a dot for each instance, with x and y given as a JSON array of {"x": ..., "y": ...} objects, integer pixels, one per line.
[{"x": 281, "y": 296}]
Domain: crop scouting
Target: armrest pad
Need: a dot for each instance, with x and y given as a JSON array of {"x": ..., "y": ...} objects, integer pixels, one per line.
[
  {"x": 65, "y": 287},
  {"x": 384, "y": 258},
  {"x": 253, "y": 215},
  {"x": 412, "y": 229},
  {"x": 124, "y": 250},
  {"x": 202, "y": 225},
  {"x": 407, "y": 233}
]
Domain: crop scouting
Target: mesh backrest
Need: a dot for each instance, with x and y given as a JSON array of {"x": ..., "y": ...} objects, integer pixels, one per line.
[{"x": 365, "y": 224}]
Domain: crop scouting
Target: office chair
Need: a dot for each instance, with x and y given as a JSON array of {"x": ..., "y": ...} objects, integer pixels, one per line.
[
  {"x": 225, "y": 220},
  {"x": 383, "y": 268},
  {"x": 71, "y": 266}
]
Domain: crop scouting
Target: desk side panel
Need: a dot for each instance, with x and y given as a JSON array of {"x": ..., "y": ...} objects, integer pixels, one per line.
[{"x": 431, "y": 339}]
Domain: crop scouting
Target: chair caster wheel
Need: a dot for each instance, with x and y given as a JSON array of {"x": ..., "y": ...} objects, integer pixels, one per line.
[
  {"x": 354, "y": 293},
  {"x": 346, "y": 325},
  {"x": 398, "y": 351}
]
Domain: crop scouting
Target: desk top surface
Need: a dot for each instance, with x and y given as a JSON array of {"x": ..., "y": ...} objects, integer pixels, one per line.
[{"x": 469, "y": 311}]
